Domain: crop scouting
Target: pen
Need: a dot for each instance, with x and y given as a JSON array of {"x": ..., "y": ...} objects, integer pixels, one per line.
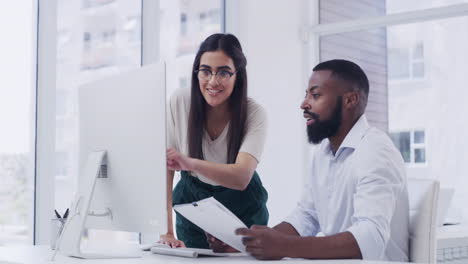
[
  {"x": 62, "y": 221},
  {"x": 57, "y": 214},
  {"x": 65, "y": 215}
]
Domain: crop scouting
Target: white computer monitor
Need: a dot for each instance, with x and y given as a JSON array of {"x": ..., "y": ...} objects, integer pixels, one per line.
[
  {"x": 443, "y": 204},
  {"x": 122, "y": 154}
]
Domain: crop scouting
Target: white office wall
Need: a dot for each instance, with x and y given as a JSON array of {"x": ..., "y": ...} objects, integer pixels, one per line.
[{"x": 269, "y": 33}]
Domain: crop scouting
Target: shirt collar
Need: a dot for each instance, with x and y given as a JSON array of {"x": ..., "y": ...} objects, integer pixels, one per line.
[{"x": 353, "y": 137}]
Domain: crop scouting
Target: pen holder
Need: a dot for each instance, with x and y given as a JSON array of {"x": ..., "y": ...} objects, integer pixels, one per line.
[{"x": 56, "y": 229}]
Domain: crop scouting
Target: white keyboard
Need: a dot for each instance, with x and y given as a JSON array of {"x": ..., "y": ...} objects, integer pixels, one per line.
[
  {"x": 452, "y": 245},
  {"x": 453, "y": 255}
]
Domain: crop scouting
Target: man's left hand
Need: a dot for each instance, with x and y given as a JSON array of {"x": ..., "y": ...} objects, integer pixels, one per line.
[{"x": 264, "y": 243}]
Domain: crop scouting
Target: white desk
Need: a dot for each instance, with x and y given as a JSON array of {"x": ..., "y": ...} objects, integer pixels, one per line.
[{"x": 42, "y": 254}]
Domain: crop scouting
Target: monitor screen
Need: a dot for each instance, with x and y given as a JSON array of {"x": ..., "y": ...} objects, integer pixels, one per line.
[{"x": 125, "y": 116}]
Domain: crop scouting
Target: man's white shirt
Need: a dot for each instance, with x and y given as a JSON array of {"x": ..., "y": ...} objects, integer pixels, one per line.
[{"x": 361, "y": 189}]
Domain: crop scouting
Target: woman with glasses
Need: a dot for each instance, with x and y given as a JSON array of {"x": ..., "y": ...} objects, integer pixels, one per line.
[{"x": 215, "y": 136}]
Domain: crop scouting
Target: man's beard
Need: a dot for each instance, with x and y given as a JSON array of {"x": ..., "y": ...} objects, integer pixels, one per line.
[{"x": 321, "y": 129}]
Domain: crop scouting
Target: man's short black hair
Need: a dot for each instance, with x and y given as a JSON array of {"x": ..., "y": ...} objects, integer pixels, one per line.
[{"x": 347, "y": 71}]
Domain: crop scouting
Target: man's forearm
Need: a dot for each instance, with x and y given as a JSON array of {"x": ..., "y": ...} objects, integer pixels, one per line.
[
  {"x": 286, "y": 228},
  {"x": 339, "y": 246}
]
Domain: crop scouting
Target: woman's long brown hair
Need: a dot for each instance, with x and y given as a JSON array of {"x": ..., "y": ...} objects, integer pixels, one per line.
[{"x": 237, "y": 101}]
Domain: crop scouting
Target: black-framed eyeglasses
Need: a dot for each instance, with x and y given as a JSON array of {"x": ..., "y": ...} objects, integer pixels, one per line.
[{"x": 221, "y": 76}]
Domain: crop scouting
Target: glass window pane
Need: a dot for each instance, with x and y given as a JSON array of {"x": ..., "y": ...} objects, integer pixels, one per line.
[
  {"x": 398, "y": 63},
  {"x": 96, "y": 38},
  {"x": 184, "y": 25},
  {"x": 418, "y": 70},
  {"x": 197, "y": 20},
  {"x": 418, "y": 52},
  {"x": 17, "y": 116},
  {"x": 421, "y": 103},
  {"x": 419, "y": 155},
  {"x": 403, "y": 143},
  {"x": 419, "y": 137}
]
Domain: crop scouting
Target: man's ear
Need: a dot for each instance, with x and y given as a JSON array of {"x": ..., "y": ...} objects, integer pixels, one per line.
[{"x": 351, "y": 99}]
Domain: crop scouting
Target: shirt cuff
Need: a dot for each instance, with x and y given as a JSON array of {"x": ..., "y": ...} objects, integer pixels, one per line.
[
  {"x": 301, "y": 225},
  {"x": 369, "y": 240}
]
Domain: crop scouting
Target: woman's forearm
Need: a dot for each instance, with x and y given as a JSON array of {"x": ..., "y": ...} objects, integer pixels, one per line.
[
  {"x": 233, "y": 176},
  {"x": 170, "y": 181}
]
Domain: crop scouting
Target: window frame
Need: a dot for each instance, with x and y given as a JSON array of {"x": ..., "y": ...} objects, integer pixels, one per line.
[
  {"x": 315, "y": 30},
  {"x": 44, "y": 166},
  {"x": 410, "y": 61},
  {"x": 413, "y": 146}
]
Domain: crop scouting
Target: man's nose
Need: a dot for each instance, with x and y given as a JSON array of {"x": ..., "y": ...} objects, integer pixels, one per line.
[{"x": 305, "y": 104}]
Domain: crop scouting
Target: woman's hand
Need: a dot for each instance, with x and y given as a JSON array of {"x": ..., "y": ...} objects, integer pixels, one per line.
[
  {"x": 177, "y": 161},
  {"x": 170, "y": 240}
]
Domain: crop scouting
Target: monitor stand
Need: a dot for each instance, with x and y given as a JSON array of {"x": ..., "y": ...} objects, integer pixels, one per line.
[{"x": 70, "y": 239}]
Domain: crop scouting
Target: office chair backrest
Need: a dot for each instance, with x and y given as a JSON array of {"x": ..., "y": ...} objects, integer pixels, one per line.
[{"x": 423, "y": 197}]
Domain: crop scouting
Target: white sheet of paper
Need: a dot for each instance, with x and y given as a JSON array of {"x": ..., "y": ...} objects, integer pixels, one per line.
[{"x": 211, "y": 216}]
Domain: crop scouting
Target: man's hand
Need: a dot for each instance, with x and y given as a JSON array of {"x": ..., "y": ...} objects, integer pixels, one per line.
[
  {"x": 218, "y": 246},
  {"x": 177, "y": 161},
  {"x": 264, "y": 243}
]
